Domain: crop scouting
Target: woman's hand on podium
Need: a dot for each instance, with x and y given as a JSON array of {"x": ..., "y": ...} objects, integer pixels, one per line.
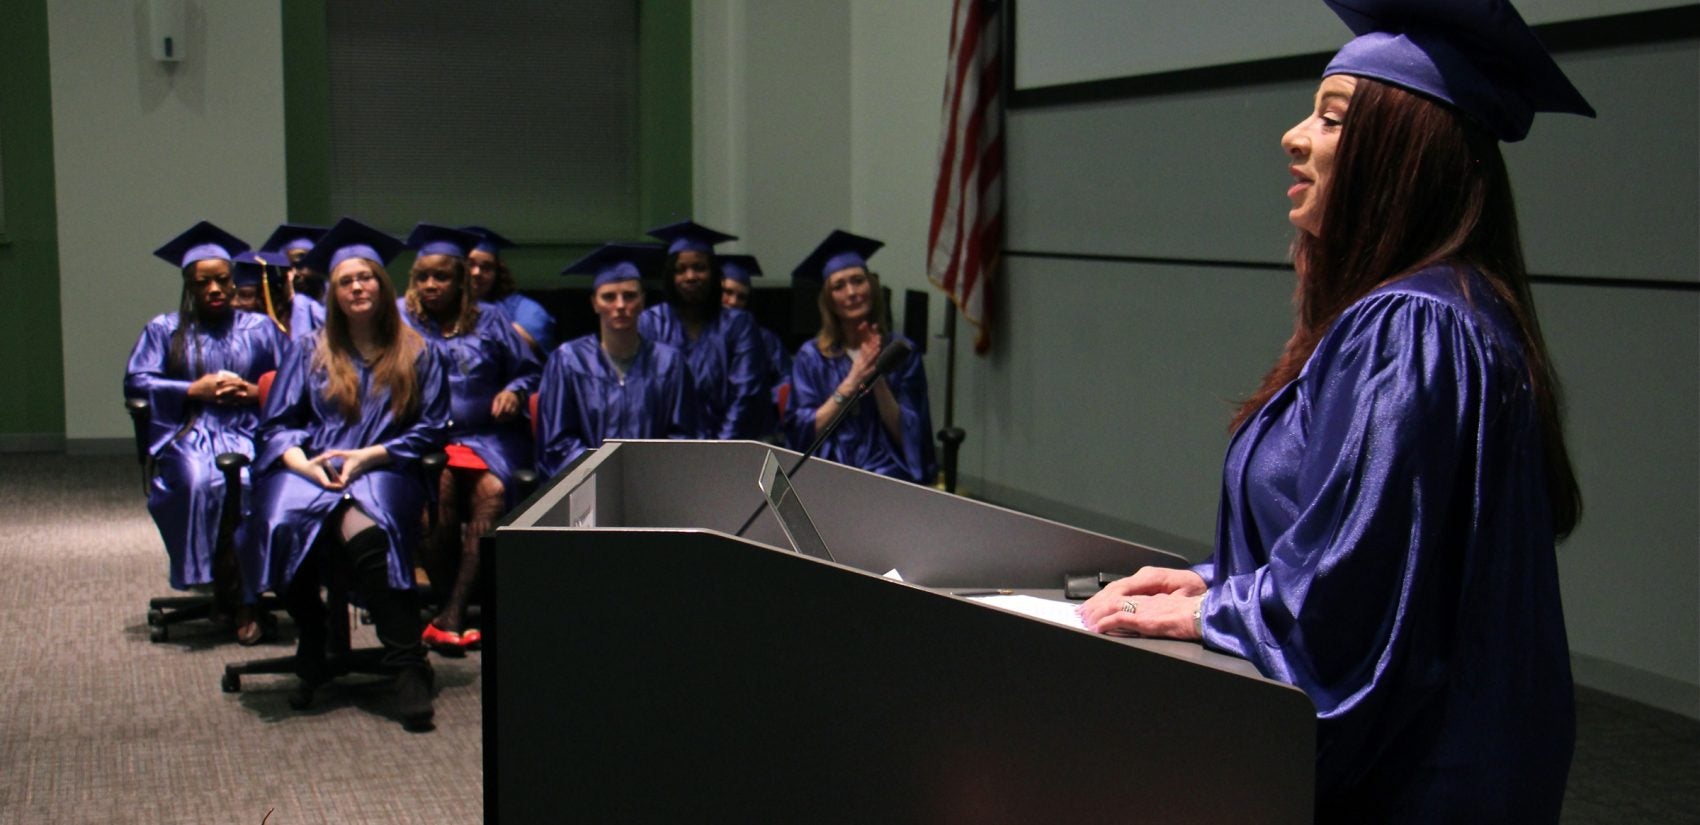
[{"x": 1154, "y": 601}]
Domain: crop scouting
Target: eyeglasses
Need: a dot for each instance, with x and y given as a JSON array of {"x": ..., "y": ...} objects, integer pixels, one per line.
[{"x": 348, "y": 281}]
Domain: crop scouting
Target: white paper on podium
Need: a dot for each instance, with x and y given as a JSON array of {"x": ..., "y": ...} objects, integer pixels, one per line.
[{"x": 1049, "y": 610}]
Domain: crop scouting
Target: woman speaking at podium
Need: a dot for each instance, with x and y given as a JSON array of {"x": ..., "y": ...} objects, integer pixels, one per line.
[{"x": 1393, "y": 491}]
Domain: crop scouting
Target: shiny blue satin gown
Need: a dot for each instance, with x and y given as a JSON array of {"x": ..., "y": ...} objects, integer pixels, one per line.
[
  {"x": 779, "y": 372},
  {"x": 861, "y": 439},
  {"x": 290, "y": 510},
  {"x": 491, "y": 360},
  {"x": 306, "y": 318},
  {"x": 1385, "y": 544},
  {"x": 186, "y": 496},
  {"x": 582, "y": 401},
  {"x": 728, "y": 369},
  {"x": 531, "y": 317}
]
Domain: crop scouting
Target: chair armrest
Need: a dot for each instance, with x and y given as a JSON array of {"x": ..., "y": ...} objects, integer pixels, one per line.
[
  {"x": 141, "y": 413},
  {"x": 231, "y": 464},
  {"x": 525, "y": 482}
]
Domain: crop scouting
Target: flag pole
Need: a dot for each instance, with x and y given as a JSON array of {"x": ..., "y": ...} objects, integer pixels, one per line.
[{"x": 951, "y": 436}]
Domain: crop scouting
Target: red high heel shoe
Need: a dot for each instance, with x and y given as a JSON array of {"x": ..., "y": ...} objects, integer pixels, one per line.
[{"x": 443, "y": 641}]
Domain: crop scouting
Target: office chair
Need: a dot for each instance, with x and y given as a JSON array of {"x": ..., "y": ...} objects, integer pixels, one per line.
[
  {"x": 341, "y": 657},
  {"x": 165, "y": 611}
]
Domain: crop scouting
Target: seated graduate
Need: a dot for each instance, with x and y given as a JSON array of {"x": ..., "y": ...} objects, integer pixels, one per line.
[
  {"x": 283, "y": 253},
  {"x": 491, "y": 281},
  {"x": 293, "y": 241},
  {"x": 736, "y": 272},
  {"x": 247, "y": 271},
  {"x": 890, "y": 431},
  {"x": 720, "y": 344},
  {"x": 1393, "y": 491},
  {"x": 350, "y": 414},
  {"x": 616, "y": 383},
  {"x": 198, "y": 370},
  {"x": 491, "y": 373},
  {"x": 263, "y": 287}
]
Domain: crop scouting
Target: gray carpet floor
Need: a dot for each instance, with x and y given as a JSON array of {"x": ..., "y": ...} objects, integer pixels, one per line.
[{"x": 99, "y": 725}]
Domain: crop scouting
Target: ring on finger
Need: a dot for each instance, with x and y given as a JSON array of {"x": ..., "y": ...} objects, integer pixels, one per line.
[{"x": 1130, "y": 606}]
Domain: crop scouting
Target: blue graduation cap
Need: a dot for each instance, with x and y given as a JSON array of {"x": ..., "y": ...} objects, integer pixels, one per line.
[
  {"x": 201, "y": 242},
  {"x": 1476, "y": 55},
  {"x": 490, "y": 242},
  {"x": 612, "y": 262},
  {"x": 246, "y": 269},
  {"x": 291, "y": 236},
  {"x": 432, "y": 239},
  {"x": 739, "y": 268},
  {"x": 840, "y": 250},
  {"x": 689, "y": 235},
  {"x": 350, "y": 238}
]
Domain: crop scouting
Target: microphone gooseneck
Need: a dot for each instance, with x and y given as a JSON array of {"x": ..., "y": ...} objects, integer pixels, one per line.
[{"x": 894, "y": 353}]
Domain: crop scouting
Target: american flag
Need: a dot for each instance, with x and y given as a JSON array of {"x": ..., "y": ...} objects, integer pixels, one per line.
[{"x": 965, "y": 237}]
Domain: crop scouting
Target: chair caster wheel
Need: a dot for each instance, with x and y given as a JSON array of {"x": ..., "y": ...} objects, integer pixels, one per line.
[
  {"x": 231, "y": 682},
  {"x": 156, "y": 617},
  {"x": 158, "y": 634}
]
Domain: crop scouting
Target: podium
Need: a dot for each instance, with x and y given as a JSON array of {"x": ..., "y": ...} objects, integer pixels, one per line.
[{"x": 641, "y": 664}]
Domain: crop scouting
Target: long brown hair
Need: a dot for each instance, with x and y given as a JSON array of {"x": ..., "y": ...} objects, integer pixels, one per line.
[
  {"x": 466, "y": 318},
  {"x": 1415, "y": 184},
  {"x": 830, "y": 340},
  {"x": 391, "y": 370}
]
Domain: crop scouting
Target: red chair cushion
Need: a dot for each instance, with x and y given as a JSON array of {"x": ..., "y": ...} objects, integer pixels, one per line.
[{"x": 265, "y": 384}]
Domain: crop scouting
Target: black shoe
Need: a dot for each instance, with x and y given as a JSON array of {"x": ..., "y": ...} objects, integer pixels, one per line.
[
  {"x": 413, "y": 688},
  {"x": 313, "y": 672}
]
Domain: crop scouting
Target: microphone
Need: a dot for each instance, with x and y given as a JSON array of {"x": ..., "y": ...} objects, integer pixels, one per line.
[{"x": 896, "y": 352}]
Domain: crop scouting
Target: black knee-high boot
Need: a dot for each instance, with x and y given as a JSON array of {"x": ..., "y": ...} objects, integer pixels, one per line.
[
  {"x": 301, "y": 600},
  {"x": 395, "y": 616}
]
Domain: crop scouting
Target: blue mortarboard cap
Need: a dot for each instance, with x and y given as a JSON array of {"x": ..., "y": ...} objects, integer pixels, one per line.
[
  {"x": 292, "y": 236},
  {"x": 689, "y": 235},
  {"x": 840, "y": 250},
  {"x": 201, "y": 242},
  {"x": 246, "y": 269},
  {"x": 432, "y": 239},
  {"x": 1476, "y": 55},
  {"x": 739, "y": 268},
  {"x": 618, "y": 262},
  {"x": 350, "y": 238},
  {"x": 489, "y": 240}
]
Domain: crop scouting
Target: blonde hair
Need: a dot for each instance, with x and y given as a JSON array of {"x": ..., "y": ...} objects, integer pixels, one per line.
[
  {"x": 830, "y": 340},
  {"x": 392, "y": 369}
]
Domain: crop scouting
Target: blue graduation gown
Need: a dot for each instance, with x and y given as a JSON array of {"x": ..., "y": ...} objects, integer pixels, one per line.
[
  {"x": 533, "y": 318},
  {"x": 490, "y": 360},
  {"x": 186, "y": 497},
  {"x": 582, "y": 401},
  {"x": 779, "y": 372},
  {"x": 306, "y": 318},
  {"x": 726, "y": 364},
  {"x": 861, "y": 439},
  {"x": 1384, "y": 543},
  {"x": 290, "y": 510}
]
